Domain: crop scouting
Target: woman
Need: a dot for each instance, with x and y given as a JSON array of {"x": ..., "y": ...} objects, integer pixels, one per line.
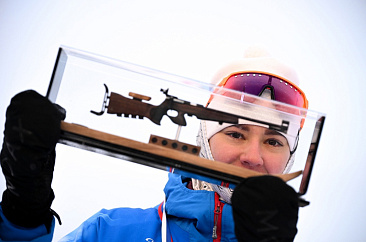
[{"x": 194, "y": 210}]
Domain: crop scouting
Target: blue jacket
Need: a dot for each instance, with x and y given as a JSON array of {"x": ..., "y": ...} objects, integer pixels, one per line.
[{"x": 191, "y": 215}]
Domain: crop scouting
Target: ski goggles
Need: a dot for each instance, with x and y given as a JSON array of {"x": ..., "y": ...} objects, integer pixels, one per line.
[{"x": 252, "y": 83}]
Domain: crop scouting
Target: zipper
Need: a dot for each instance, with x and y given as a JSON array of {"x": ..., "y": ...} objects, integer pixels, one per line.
[{"x": 216, "y": 231}]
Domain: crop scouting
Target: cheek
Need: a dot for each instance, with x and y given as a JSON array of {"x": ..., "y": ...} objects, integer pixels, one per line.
[
  {"x": 221, "y": 151},
  {"x": 275, "y": 164}
]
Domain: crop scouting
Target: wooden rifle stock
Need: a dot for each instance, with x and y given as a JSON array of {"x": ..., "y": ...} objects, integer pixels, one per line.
[{"x": 134, "y": 108}]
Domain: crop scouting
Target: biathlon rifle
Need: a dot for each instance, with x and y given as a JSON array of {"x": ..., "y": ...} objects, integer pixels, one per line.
[{"x": 135, "y": 108}]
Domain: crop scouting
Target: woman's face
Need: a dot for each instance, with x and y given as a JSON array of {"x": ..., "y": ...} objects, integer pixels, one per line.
[{"x": 252, "y": 147}]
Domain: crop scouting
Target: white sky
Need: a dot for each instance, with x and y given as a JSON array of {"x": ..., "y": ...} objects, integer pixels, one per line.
[{"x": 324, "y": 41}]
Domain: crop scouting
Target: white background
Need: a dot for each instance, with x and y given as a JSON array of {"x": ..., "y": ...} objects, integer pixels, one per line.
[{"x": 323, "y": 40}]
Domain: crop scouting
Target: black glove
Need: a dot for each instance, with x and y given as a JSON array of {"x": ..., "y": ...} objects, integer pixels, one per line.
[
  {"x": 265, "y": 208},
  {"x": 27, "y": 158}
]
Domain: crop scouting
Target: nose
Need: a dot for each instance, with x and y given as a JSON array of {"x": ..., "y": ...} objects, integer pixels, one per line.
[{"x": 251, "y": 155}]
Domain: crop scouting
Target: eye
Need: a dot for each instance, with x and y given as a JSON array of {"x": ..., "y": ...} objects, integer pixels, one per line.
[
  {"x": 235, "y": 135},
  {"x": 274, "y": 142}
]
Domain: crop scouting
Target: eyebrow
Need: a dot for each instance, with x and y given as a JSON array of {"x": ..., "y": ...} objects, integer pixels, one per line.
[
  {"x": 268, "y": 131},
  {"x": 242, "y": 127}
]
